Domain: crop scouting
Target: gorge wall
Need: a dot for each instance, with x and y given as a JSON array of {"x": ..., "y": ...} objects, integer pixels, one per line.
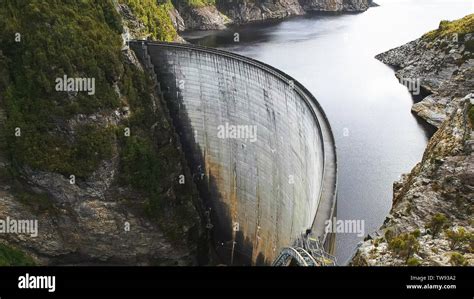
[
  {"x": 223, "y": 13},
  {"x": 431, "y": 219},
  {"x": 99, "y": 196}
]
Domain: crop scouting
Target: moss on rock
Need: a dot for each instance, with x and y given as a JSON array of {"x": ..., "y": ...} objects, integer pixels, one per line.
[{"x": 10, "y": 256}]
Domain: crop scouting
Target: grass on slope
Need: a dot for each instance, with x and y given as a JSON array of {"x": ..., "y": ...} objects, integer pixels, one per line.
[
  {"x": 13, "y": 257},
  {"x": 448, "y": 29},
  {"x": 155, "y": 16}
]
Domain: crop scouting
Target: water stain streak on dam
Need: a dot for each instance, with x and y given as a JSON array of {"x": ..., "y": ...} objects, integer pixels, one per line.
[{"x": 263, "y": 191}]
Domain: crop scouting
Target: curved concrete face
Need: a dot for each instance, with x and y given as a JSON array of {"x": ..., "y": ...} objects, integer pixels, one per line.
[{"x": 260, "y": 147}]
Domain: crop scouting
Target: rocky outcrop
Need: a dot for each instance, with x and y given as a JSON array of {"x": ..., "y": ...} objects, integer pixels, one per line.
[
  {"x": 101, "y": 218},
  {"x": 200, "y": 18},
  {"x": 97, "y": 220},
  {"x": 177, "y": 20},
  {"x": 244, "y": 11},
  {"x": 250, "y": 11},
  {"x": 335, "y": 5},
  {"x": 444, "y": 67},
  {"x": 134, "y": 27},
  {"x": 430, "y": 222}
]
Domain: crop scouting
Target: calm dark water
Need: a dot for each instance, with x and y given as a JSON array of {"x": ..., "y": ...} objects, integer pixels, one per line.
[{"x": 377, "y": 136}]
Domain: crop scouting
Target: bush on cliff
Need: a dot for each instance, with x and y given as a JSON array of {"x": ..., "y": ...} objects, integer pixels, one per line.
[
  {"x": 458, "y": 259},
  {"x": 404, "y": 245},
  {"x": 413, "y": 262},
  {"x": 458, "y": 237},
  {"x": 155, "y": 16},
  {"x": 437, "y": 223},
  {"x": 10, "y": 256}
]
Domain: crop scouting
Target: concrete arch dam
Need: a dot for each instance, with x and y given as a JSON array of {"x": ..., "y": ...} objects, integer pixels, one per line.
[{"x": 259, "y": 145}]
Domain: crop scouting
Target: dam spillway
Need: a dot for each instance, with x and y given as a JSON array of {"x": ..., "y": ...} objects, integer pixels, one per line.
[{"x": 259, "y": 145}]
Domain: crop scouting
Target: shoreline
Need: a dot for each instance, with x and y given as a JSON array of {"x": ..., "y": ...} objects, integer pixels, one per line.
[{"x": 429, "y": 222}]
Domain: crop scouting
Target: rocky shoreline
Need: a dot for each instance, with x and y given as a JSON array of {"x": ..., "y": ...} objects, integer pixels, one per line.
[
  {"x": 431, "y": 219},
  {"x": 225, "y": 13}
]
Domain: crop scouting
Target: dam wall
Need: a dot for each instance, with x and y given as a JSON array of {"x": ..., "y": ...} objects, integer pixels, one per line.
[{"x": 259, "y": 145}]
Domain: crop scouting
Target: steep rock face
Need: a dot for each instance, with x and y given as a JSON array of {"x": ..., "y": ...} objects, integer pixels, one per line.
[
  {"x": 336, "y": 5},
  {"x": 443, "y": 66},
  {"x": 249, "y": 11},
  {"x": 134, "y": 27},
  {"x": 103, "y": 217},
  {"x": 96, "y": 221},
  {"x": 177, "y": 20},
  {"x": 244, "y": 11},
  {"x": 431, "y": 219},
  {"x": 202, "y": 18},
  {"x": 442, "y": 184}
]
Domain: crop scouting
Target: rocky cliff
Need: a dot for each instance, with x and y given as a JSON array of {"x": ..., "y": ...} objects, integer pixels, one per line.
[
  {"x": 219, "y": 14},
  {"x": 443, "y": 64},
  {"x": 103, "y": 174},
  {"x": 431, "y": 219}
]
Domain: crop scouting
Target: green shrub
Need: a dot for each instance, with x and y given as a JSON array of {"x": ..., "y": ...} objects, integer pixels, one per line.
[
  {"x": 437, "y": 223},
  {"x": 416, "y": 233},
  {"x": 457, "y": 238},
  {"x": 141, "y": 165},
  {"x": 404, "y": 245},
  {"x": 413, "y": 261},
  {"x": 389, "y": 234},
  {"x": 458, "y": 259},
  {"x": 471, "y": 113},
  {"x": 50, "y": 152},
  {"x": 10, "y": 256}
]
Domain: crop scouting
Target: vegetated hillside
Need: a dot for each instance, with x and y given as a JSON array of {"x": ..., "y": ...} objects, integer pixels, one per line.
[
  {"x": 244, "y": 11},
  {"x": 218, "y": 14},
  {"x": 431, "y": 222},
  {"x": 100, "y": 172},
  {"x": 163, "y": 19},
  {"x": 149, "y": 19}
]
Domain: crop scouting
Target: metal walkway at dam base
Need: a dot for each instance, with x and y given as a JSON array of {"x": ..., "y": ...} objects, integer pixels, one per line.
[
  {"x": 248, "y": 183},
  {"x": 307, "y": 252}
]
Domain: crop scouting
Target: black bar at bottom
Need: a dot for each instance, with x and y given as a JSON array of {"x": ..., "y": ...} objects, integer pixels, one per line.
[{"x": 141, "y": 282}]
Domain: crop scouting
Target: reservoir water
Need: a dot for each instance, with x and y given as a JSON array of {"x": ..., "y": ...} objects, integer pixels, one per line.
[{"x": 377, "y": 136}]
